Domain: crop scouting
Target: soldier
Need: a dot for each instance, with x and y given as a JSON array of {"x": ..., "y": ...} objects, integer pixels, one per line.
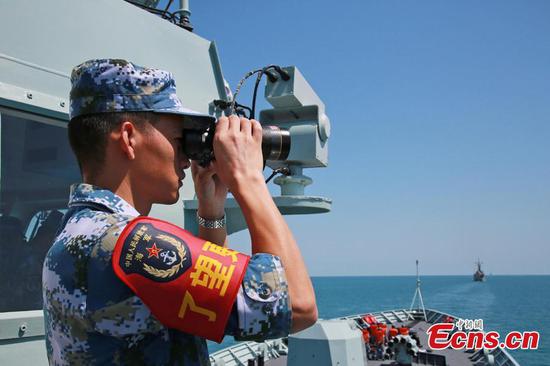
[{"x": 122, "y": 288}]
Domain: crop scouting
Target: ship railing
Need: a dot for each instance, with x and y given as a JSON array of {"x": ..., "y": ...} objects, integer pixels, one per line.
[
  {"x": 239, "y": 354},
  {"x": 395, "y": 317}
]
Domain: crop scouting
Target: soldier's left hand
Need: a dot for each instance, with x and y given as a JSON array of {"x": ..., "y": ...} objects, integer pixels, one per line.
[{"x": 210, "y": 190}]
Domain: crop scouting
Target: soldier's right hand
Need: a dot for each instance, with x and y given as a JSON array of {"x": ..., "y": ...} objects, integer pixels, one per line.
[{"x": 238, "y": 151}]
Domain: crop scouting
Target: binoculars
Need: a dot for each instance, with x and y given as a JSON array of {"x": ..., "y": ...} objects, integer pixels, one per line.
[{"x": 197, "y": 144}]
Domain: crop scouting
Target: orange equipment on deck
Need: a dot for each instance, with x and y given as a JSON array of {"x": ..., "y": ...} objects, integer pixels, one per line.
[{"x": 403, "y": 330}]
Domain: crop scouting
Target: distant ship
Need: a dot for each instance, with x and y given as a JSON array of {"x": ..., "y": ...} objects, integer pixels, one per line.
[{"x": 479, "y": 276}]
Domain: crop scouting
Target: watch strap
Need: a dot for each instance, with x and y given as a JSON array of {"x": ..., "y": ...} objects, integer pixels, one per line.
[{"x": 211, "y": 224}]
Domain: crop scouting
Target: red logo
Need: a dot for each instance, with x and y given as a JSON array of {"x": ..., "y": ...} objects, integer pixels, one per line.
[{"x": 445, "y": 335}]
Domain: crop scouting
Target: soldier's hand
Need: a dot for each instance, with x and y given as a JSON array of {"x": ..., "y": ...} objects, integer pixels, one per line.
[
  {"x": 210, "y": 190},
  {"x": 238, "y": 150}
]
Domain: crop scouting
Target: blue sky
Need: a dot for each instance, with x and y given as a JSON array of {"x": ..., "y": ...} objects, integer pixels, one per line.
[{"x": 440, "y": 112}]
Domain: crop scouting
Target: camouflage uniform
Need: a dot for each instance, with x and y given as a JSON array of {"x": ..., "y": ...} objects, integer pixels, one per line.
[{"x": 91, "y": 317}]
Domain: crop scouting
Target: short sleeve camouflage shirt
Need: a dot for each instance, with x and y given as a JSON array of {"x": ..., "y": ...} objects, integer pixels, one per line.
[{"x": 93, "y": 318}]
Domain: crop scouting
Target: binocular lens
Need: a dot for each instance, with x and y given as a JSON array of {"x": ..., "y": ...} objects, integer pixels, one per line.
[{"x": 275, "y": 143}]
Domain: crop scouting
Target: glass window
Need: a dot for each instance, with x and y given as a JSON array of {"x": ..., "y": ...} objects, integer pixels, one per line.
[{"x": 37, "y": 167}]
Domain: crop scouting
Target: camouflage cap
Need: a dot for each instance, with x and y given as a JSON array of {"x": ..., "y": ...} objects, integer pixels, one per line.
[{"x": 115, "y": 85}]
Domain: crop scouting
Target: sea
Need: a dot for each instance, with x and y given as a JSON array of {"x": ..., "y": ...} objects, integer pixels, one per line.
[{"x": 504, "y": 303}]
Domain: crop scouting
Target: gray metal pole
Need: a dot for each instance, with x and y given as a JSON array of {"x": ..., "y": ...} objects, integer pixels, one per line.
[
  {"x": 419, "y": 293},
  {"x": 185, "y": 14},
  {"x": 184, "y": 8}
]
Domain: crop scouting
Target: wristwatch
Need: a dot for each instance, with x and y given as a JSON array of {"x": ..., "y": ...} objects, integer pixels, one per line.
[{"x": 211, "y": 224}]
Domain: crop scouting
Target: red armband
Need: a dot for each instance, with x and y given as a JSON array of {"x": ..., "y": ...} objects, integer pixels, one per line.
[{"x": 188, "y": 283}]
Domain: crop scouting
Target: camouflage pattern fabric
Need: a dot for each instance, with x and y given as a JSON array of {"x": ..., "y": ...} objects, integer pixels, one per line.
[
  {"x": 92, "y": 318},
  {"x": 114, "y": 85}
]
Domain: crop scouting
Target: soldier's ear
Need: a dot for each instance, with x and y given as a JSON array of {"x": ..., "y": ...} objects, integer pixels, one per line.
[{"x": 128, "y": 139}]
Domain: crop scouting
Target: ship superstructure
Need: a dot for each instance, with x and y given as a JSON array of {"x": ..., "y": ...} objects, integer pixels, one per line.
[
  {"x": 41, "y": 43},
  {"x": 479, "y": 275}
]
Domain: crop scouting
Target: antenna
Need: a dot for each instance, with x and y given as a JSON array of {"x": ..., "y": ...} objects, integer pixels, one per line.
[
  {"x": 184, "y": 15},
  {"x": 419, "y": 293}
]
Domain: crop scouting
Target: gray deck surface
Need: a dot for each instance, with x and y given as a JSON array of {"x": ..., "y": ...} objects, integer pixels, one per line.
[{"x": 452, "y": 357}]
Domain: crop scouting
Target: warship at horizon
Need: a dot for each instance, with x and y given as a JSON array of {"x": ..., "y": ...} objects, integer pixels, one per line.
[{"x": 479, "y": 275}]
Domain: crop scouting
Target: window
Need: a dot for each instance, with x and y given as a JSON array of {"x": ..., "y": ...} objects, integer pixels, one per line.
[{"x": 37, "y": 167}]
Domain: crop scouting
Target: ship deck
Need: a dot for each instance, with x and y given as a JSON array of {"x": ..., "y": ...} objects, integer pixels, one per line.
[
  {"x": 275, "y": 352},
  {"x": 452, "y": 357}
]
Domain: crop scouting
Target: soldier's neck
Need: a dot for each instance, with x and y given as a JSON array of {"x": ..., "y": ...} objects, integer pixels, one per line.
[{"x": 123, "y": 189}]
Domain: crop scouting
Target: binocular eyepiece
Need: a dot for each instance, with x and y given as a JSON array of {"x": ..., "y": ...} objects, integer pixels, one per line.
[{"x": 197, "y": 144}]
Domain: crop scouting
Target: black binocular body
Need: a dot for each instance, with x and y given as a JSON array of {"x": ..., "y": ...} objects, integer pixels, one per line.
[{"x": 197, "y": 144}]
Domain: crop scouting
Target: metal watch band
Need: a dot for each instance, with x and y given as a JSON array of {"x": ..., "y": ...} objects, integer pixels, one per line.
[{"x": 211, "y": 224}]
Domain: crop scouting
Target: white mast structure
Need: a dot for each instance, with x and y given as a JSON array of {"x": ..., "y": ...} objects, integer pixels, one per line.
[{"x": 419, "y": 293}]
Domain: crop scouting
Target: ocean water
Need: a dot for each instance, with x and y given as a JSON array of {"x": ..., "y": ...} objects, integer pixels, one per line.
[{"x": 505, "y": 303}]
